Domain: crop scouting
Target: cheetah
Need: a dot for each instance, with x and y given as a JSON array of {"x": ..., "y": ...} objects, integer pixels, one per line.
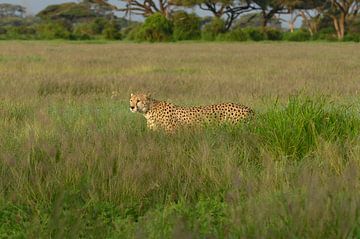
[{"x": 169, "y": 117}]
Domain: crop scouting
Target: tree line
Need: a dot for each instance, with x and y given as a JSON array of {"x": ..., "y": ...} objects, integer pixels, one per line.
[{"x": 173, "y": 20}]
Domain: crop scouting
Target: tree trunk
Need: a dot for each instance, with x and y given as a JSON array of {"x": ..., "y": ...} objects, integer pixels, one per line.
[
  {"x": 307, "y": 23},
  {"x": 291, "y": 26},
  {"x": 265, "y": 19},
  {"x": 336, "y": 25},
  {"x": 292, "y": 21},
  {"x": 342, "y": 25},
  {"x": 339, "y": 24}
]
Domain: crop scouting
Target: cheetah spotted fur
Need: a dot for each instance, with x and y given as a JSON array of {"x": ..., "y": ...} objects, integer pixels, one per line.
[{"x": 169, "y": 117}]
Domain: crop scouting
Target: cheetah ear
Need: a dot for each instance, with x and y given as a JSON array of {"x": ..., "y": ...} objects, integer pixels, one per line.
[{"x": 131, "y": 95}]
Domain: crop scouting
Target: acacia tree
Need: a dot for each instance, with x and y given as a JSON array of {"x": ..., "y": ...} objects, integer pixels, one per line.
[
  {"x": 101, "y": 7},
  {"x": 229, "y": 9},
  {"x": 147, "y": 8},
  {"x": 11, "y": 10},
  {"x": 340, "y": 11},
  {"x": 308, "y": 10},
  {"x": 269, "y": 8},
  {"x": 74, "y": 12},
  {"x": 292, "y": 6}
]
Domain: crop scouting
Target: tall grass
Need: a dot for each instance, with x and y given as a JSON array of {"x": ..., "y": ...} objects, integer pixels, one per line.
[
  {"x": 284, "y": 174},
  {"x": 75, "y": 163}
]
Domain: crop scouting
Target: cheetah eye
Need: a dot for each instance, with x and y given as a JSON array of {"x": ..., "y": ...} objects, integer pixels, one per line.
[{"x": 138, "y": 101}]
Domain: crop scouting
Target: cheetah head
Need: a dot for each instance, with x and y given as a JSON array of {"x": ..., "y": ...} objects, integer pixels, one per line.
[{"x": 139, "y": 103}]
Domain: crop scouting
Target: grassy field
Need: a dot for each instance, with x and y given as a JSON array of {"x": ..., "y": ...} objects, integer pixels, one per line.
[{"x": 76, "y": 163}]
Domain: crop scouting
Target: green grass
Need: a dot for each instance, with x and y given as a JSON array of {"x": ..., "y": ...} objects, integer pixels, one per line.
[
  {"x": 92, "y": 169},
  {"x": 76, "y": 163}
]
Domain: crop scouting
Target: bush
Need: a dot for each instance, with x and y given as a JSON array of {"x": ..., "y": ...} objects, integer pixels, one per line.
[
  {"x": 130, "y": 33},
  {"x": 327, "y": 34},
  {"x": 83, "y": 31},
  {"x": 19, "y": 32},
  {"x": 3, "y": 31},
  {"x": 211, "y": 30},
  {"x": 352, "y": 37},
  {"x": 112, "y": 31},
  {"x": 156, "y": 28},
  {"x": 186, "y": 26},
  {"x": 53, "y": 30},
  {"x": 255, "y": 34},
  {"x": 300, "y": 35},
  {"x": 273, "y": 34},
  {"x": 98, "y": 25},
  {"x": 235, "y": 35}
]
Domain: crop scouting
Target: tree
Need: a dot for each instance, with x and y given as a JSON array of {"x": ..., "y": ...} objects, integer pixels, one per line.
[
  {"x": 292, "y": 6},
  {"x": 186, "y": 26},
  {"x": 230, "y": 9},
  {"x": 10, "y": 10},
  {"x": 73, "y": 12},
  {"x": 340, "y": 11},
  {"x": 101, "y": 7},
  {"x": 147, "y": 8},
  {"x": 269, "y": 8},
  {"x": 255, "y": 20},
  {"x": 156, "y": 28},
  {"x": 308, "y": 10}
]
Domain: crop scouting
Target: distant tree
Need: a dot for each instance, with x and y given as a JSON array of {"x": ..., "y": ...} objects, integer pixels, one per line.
[
  {"x": 156, "y": 28},
  {"x": 307, "y": 10},
  {"x": 311, "y": 14},
  {"x": 186, "y": 26},
  {"x": 269, "y": 8},
  {"x": 292, "y": 6},
  {"x": 213, "y": 29},
  {"x": 354, "y": 25},
  {"x": 87, "y": 9},
  {"x": 340, "y": 11},
  {"x": 101, "y": 7},
  {"x": 147, "y": 8},
  {"x": 229, "y": 9},
  {"x": 256, "y": 20},
  {"x": 112, "y": 31},
  {"x": 67, "y": 11},
  {"x": 10, "y": 10}
]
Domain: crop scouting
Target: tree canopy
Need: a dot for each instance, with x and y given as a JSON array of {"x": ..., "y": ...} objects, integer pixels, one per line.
[
  {"x": 11, "y": 10},
  {"x": 77, "y": 11}
]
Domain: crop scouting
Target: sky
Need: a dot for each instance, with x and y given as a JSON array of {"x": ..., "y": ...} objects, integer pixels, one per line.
[{"x": 34, "y": 6}]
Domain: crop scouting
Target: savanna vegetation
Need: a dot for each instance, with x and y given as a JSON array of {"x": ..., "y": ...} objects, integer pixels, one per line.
[
  {"x": 178, "y": 20},
  {"x": 76, "y": 163}
]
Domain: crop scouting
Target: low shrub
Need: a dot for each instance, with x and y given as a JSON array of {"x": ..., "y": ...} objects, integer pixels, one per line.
[
  {"x": 53, "y": 30},
  {"x": 19, "y": 32},
  {"x": 112, "y": 31},
  {"x": 83, "y": 32},
  {"x": 186, "y": 26},
  {"x": 352, "y": 37},
  {"x": 212, "y": 29},
  {"x": 255, "y": 34},
  {"x": 156, "y": 28},
  {"x": 98, "y": 25},
  {"x": 273, "y": 34},
  {"x": 234, "y": 35},
  {"x": 131, "y": 31},
  {"x": 3, "y": 31},
  {"x": 327, "y": 34},
  {"x": 300, "y": 35}
]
